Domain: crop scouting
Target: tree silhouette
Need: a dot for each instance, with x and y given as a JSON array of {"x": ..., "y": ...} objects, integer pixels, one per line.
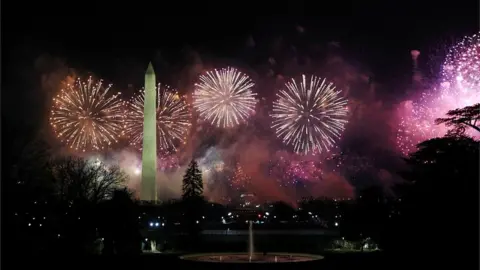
[
  {"x": 119, "y": 224},
  {"x": 439, "y": 161},
  {"x": 79, "y": 188},
  {"x": 441, "y": 191},
  {"x": 29, "y": 173},
  {"x": 29, "y": 185},
  {"x": 76, "y": 179},
  {"x": 192, "y": 182},
  {"x": 461, "y": 119},
  {"x": 193, "y": 202}
]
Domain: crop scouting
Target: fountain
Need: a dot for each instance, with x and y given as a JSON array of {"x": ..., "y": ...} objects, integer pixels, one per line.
[
  {"x": 251, "y": 256},
  {"x": 153, "y": 246},
  {"x": 250, "y": 240}
]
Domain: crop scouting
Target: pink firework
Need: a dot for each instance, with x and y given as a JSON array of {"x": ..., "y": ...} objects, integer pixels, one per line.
[
  {"x": 290, "y": 169},
  {"x": 459, "y": 87},
  {"x": 168, "y": 163},
  {"x": 305, "y": 169},
  {"x": 461, "y": 68},
  {"x": 240, "y": 180}
]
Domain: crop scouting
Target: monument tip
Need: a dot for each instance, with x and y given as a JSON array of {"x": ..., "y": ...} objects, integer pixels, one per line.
[{"x": 150, "y": 68}]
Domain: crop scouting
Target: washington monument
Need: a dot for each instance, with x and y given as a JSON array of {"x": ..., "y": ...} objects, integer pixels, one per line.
[{"x": 149, "y": 149}]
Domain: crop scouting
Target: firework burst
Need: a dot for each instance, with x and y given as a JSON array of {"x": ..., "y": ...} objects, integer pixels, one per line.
[
  {"x": 309, "y": 116},
  {"x": 173, "y": 119},
  {"x": 417, "y": 122},
  {"x": 290, "y": 170},
  {"x": 239, "y": 180},
  {"x": 462, "y": 65},
  {"x": 459, "y": 87},
  {"x": 168, "y": 163},
  {"x": 85, "y": 117},
  {"x": 224, "y": 97}
]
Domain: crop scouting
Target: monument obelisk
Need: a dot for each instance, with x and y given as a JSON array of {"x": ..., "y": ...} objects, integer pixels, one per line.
[{"x": 149, "y": 149}]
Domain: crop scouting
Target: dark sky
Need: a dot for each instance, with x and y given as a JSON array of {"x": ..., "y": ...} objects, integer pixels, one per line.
[
  {"x": 93, "y": 32},
  {"x": 106, "y": 38}
]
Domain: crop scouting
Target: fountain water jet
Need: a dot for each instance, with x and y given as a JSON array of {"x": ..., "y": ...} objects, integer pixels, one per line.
[
  {"x": 250, "y": 240},
  {"x": 153, "y": 246}
]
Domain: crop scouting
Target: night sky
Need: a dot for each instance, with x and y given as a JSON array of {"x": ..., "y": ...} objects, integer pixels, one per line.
[
  {"x": 108, "y": 39},
  {"x": 44, "y": 41}
]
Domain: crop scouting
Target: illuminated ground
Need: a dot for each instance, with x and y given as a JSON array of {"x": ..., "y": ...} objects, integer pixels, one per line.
[{"x": 255, "y": 258}]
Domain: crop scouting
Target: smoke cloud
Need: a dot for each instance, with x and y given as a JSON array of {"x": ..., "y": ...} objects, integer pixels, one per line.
[{"x": 254, "y": 146}]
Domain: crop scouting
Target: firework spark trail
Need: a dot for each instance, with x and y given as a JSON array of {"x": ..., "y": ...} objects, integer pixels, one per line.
[
  {"x": 239, "y": 180},
  {"x": 295, "y": 170},
  {"x": 168, "y": 163},
  {"x": 309, "y": 117},
  {"x": 418, "y": 119},
  {"x": 349, "y": 163},
  {"x": 462, "y": 64},
  {"x": 459, "y": 87},
  {"x": 173, "y": 119},
  {"x": 224, "y": 97},
  {"x": 85, "y": 117},
  {"x": 289, "y": 170}
]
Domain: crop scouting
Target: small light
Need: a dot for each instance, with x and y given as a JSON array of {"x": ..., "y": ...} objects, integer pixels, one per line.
[
  {"x": 197, "y": 221},
  {"x": 163, "y": 224},
  {"x": 29, "y": 224},
  {"x": 40, "y": 224},
  {"x": 58, "y": 235},
  {"x": 336, "y": 224},
  {"x": 151, "y": 224},
  {"x": 157, "y": 224}
]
